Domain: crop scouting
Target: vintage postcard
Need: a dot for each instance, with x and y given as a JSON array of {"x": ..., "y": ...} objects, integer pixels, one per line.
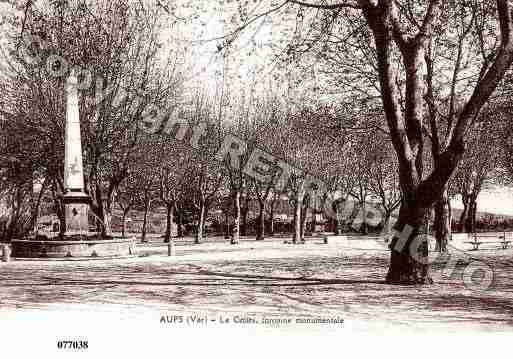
[{"x": 256, "y": 177}]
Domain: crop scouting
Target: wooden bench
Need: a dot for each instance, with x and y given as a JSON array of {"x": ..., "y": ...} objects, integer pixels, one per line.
[
  {"x": 504, "y": 243},
  {"x": 475, "y": 243}
]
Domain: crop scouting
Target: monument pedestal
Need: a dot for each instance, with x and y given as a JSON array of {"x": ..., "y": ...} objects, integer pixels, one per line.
[{"x": 76, "y": 207}]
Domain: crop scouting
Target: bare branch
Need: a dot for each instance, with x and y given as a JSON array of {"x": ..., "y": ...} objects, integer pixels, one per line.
[
  {"x": 493, "y": 75},
  {"x": 326, "y": 6}
]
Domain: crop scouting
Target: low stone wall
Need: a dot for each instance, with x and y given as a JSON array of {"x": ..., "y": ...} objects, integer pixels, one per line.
[
  {"x": 461, "y": 236},
  {"x": 116, "y": 247}
]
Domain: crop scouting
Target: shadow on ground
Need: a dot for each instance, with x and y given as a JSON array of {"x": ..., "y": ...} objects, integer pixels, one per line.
[{"x": 349, "y": 286}]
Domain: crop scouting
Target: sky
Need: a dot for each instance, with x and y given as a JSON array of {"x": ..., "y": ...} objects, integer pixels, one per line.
[
  {"x": 498, "y": 200},
  {"x": 207, "y": 68}
]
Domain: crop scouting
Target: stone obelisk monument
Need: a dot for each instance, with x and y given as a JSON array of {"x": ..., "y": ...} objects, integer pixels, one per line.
[
  {"x": 75, "y": 200},
  {"x": 72, "y": 241}
]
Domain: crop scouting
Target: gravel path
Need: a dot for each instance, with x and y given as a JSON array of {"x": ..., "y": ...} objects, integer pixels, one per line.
[{"x": 343, "y": 278}]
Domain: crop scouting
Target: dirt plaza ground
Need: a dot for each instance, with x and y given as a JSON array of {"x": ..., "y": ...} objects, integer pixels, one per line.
[{"x": 341, "y": 279}]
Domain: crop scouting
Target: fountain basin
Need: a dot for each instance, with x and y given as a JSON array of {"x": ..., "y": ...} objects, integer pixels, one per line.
[{"x": 40, "y": 249}]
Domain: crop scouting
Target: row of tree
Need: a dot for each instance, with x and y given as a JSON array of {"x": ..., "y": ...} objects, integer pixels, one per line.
[{"x": 410, "y": 117}]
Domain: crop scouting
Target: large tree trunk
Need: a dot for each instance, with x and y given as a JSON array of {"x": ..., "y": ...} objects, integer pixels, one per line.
[
  {"x": 236, "y": 224},
  {"x": 442, "y": 224},
  {"x": 409, "y": 262},
  {"x": 169, "y": 221},
  {"x": 409, "y": 248},
  {"x": 261, "y": 221}
]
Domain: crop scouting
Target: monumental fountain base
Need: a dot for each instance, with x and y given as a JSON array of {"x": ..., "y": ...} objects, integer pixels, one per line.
[{"x": 73, "y": 247}]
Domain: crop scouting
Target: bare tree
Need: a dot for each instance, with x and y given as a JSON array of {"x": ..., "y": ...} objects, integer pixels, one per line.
[
  {"x": 145, "y": 177},
  {"x": 268, "y": 111},
  {"x": 384, "y": 177},
  {"x": 302, "y": 148},
  {"x": 115, "y": 49},
  {"x": 400, "y": 41},
  {"x": 205, "y": 177},
  {"x": 477, "y": 166},
  {"x": 173, "y": 177},
  {"x": 127, "y": 196}
]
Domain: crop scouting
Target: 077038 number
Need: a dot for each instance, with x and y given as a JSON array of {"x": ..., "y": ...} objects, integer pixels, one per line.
[{"x": 72, "y": 344}]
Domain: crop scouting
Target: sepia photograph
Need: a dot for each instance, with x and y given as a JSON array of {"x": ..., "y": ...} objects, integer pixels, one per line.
[{"x": 248, "y": 178}]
